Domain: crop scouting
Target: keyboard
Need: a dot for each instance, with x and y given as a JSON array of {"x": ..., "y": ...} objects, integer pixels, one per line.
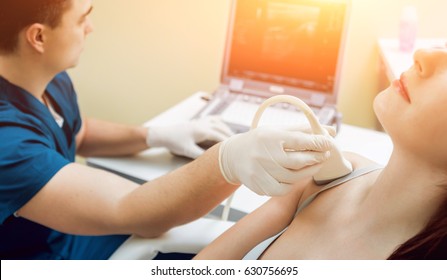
[
  {"x": 238, "y": 111},
  {"x": 240, "y": 115}
]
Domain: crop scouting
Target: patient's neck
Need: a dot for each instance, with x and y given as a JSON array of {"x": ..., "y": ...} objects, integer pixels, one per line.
[{"x": 408, "y": 191}]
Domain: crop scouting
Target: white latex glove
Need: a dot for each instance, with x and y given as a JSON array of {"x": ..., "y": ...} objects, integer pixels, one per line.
[
  {"x": 183, "y": 138},
  {"x": 269, "y": 160}
]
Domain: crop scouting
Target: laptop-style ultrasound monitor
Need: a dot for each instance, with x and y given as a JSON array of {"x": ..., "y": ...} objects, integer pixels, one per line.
[{"x": 291, "y": 47}]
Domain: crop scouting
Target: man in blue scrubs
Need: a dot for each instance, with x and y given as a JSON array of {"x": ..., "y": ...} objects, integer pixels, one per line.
[{"x": 54, "y": 208}]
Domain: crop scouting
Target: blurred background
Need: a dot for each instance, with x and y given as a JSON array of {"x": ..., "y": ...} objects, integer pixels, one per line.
[{"x": 145, "y": 55}]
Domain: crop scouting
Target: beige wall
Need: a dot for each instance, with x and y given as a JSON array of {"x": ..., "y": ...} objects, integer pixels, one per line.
[{"x": 146, "y": 55}]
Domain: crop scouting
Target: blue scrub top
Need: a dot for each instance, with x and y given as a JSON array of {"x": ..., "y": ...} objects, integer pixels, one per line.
[{"x": 33, "y": 148}]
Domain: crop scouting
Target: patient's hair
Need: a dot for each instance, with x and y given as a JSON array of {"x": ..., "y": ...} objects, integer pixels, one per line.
[
  {"x": 430, "y": 243},
  {"x": 15, "y": 15}
]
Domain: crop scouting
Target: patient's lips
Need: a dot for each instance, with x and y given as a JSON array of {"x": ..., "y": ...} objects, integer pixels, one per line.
[{"x": 401, "y": 88}]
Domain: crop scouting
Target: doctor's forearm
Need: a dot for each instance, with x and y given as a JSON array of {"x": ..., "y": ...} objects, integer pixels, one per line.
[
  {"x": 177, "y": 198},
  {"x": 86, "y": 201},
  {"x": 101, "y": 138}
]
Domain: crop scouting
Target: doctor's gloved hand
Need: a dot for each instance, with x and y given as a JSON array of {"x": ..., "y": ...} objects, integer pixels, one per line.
[
  {"x": 269, "y": 160},
  {"x": 183, "y": 138}
]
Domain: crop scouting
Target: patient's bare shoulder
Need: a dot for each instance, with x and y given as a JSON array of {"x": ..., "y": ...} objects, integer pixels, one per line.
[{"x": 357, "y": 162}]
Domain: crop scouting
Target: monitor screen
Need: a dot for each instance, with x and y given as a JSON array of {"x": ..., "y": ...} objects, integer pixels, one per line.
[{"x": 287, "y": 42}]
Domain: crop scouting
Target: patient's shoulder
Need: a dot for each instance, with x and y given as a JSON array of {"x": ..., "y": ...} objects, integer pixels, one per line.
[{"x": 357, "y": 162}]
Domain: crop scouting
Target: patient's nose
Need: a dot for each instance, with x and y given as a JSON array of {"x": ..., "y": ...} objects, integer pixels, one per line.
[{"x": 427, "y": 61}]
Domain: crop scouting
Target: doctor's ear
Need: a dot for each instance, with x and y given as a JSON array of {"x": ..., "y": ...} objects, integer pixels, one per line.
[{"x": 34, "y": 36}]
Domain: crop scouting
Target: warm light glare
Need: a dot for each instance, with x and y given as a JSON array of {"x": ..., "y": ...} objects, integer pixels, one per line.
[{"x": 288, "y": 42}]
